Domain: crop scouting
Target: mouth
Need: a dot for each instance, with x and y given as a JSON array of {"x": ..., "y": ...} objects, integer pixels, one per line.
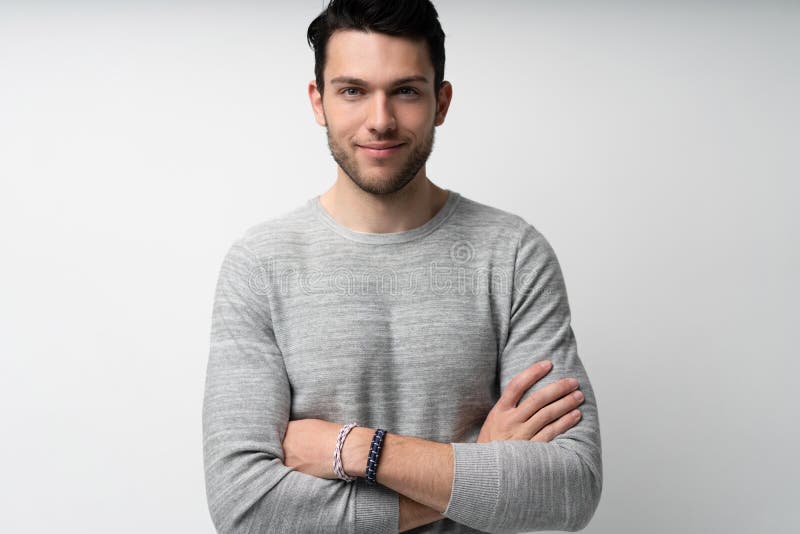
[{"x": 379, "y": 151}]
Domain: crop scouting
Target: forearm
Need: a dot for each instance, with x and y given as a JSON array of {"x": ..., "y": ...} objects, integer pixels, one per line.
[
  {"x": 414, "y": 514},
  {"x": 419, "y": 469}
]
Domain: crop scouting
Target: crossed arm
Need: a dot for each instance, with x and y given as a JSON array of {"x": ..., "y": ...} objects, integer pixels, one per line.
[
  {"x": 417, "y": 469},
  {"x": 421, "y": 471},
  {"x": 505, "y": 485}
]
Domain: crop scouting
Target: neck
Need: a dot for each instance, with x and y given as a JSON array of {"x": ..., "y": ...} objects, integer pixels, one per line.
[{"x": 406, "y": 209}]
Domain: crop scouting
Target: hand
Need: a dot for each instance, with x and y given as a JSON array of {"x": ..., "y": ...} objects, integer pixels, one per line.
[
  {"x": 544, "y": 415},
  {"x": 308, "y": 446}
]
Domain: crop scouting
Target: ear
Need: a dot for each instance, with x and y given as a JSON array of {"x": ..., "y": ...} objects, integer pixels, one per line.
[
  {"x": 445, "y": 96},
  {"x": 316, "y": 103}
]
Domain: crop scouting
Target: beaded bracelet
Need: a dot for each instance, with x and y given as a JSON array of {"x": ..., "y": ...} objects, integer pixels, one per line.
[
  {"x": 337, "y": 453},
  {"x": 374, "y": 454}
]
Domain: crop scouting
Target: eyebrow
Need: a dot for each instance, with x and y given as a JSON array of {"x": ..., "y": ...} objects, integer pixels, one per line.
[{"x": 358, "y": 81}]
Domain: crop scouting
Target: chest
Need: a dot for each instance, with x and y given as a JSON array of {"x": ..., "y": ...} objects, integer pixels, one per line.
[{"x": 421, "y": 347}]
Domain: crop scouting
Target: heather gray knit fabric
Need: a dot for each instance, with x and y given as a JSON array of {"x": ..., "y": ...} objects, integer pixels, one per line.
[{"x": 416, "y": 332}]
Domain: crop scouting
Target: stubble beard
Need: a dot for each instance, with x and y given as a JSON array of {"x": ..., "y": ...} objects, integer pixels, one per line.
[{"x": 382, "y": 186}]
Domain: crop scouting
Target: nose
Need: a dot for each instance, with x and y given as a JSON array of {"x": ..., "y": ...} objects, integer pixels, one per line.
[{"x": 380, "y": 117}]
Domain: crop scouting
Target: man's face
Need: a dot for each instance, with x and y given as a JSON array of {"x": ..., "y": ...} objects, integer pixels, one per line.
[{"x": 379, "y": 108}]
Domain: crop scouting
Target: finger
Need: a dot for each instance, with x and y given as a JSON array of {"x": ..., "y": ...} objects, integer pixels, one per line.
[
  {"x": 555, "y": 429},
  {"x": 552, "y": 412},
  {"x": 522, "y": 383},
  {"x": 543, "y": 397}
]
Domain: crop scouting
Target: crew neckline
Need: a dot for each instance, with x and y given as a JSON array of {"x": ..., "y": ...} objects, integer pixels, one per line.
[{"x": 389, "y": 237}]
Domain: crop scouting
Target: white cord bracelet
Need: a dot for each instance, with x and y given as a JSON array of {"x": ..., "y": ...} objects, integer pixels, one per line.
[{"x": 337, "y": 453}]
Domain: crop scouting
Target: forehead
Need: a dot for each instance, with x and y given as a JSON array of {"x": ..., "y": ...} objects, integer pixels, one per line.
[{"x": 375, "y": 56}]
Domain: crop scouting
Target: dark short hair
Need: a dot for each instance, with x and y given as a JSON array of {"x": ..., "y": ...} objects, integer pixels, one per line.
[{"x": 415, "y": 19}]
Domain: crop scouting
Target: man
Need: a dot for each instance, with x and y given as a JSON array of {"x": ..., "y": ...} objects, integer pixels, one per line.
[{"x": 398, "y": 305}]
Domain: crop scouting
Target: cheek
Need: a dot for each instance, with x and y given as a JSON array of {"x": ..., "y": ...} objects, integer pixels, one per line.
[
  {"x": 343, "y": 128},
  {"x": 341, "y": 120},
  {"x": 420, "y": 120}
]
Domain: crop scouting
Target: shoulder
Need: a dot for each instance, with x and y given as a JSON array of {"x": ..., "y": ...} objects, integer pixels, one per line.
[
  {"x": 282, "y": 228},
  {"x": 276, "y": 236},
  {"x": 473, "y": 212},
  {"x": 281, "y": 235},
  {"x": 506, "y": 226}
]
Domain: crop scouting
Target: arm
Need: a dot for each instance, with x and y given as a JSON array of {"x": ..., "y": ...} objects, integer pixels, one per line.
[
  {"x": 246, "y": 410},
  {"x": 419, "y": 469},
  {"x": 414, "y": 514},
  {"x": 515, "y": 485},
  {"x": 307, "y": 448},
  {"x": 523, "y": 486}
]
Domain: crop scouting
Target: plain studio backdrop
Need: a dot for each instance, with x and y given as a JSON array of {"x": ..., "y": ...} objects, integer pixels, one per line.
[{"x": 655, "y": 145}]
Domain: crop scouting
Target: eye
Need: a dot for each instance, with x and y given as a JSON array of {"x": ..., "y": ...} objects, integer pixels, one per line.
[
  {"x": 411, "y": 89},
  {"x": 346, "y": 90}
]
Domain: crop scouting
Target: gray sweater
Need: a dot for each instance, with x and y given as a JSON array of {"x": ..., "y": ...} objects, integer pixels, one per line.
[{"x": 416, "y": 332}]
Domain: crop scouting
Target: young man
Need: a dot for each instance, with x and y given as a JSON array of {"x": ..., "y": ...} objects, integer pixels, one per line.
[{"x": 398, "y": 305}]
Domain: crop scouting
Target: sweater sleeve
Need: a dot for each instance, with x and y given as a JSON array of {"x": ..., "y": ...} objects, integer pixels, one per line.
[
  {"x": 520, "y": 485},
  {"x": 246, "y": 408}
]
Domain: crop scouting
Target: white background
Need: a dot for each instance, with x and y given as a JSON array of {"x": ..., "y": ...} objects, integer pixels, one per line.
[{"x": 655, "y": 145}]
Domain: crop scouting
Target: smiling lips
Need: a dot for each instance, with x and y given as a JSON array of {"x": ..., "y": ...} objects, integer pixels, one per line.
[{"x": 380, "y": 150}]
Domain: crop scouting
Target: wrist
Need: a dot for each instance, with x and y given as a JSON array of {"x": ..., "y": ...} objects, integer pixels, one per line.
[
  {"x": 355, "y": 451},
  {"x": 414, "y": 514}
]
